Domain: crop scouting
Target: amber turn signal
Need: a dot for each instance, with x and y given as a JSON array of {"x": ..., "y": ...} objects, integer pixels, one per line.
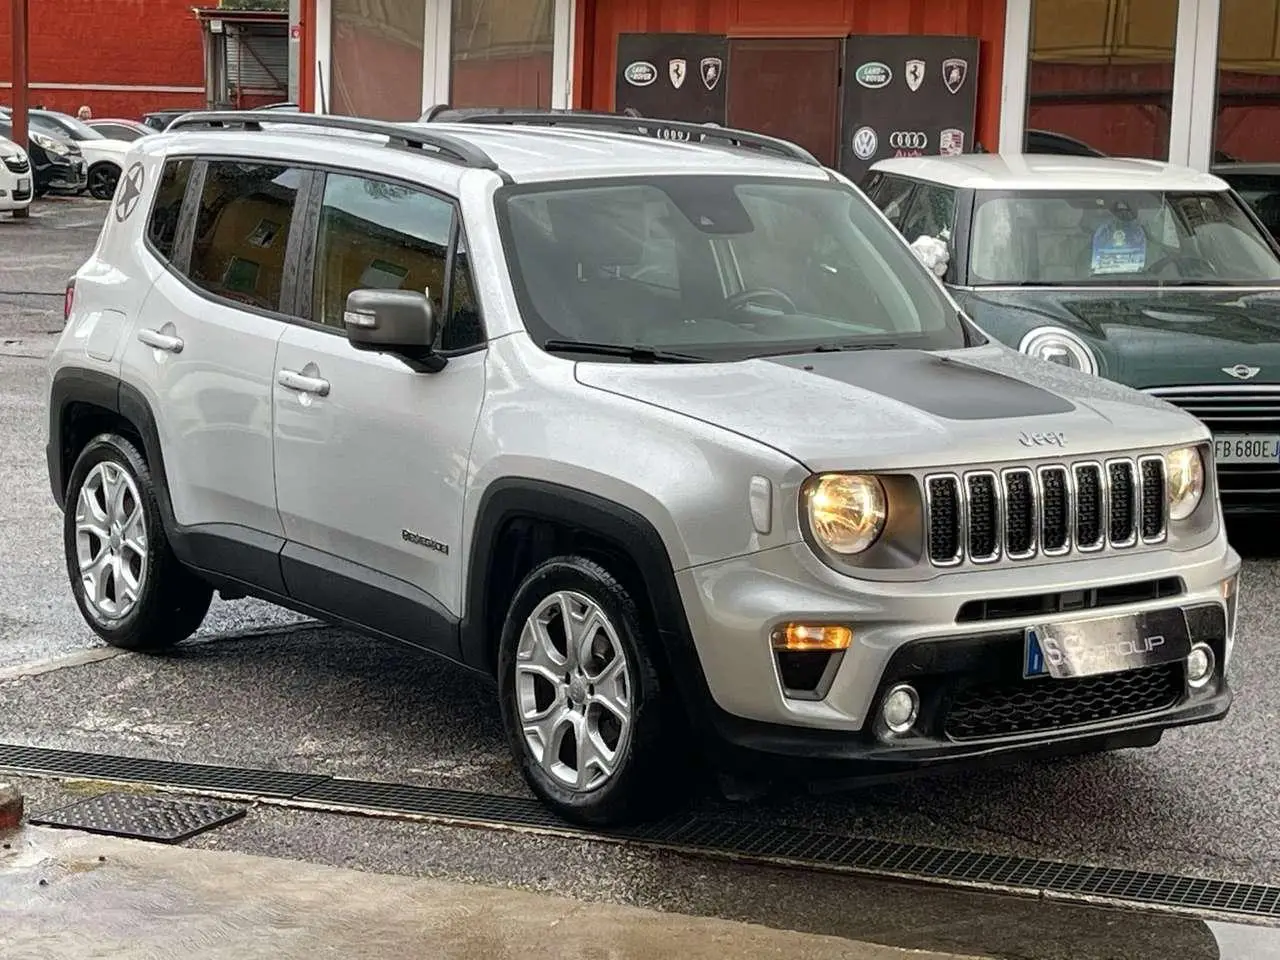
[{"x": 800, "y": 637}]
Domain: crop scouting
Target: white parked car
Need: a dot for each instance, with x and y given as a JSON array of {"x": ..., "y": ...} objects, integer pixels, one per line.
[
  {"x": 103, "y": 156},
  {"x": 15, "y": 177}
]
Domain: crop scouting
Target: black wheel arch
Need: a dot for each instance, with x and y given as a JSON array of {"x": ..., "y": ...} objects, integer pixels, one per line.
[
  {"x": 544, "y": 518},
  {"x": 83, "y": 402}
]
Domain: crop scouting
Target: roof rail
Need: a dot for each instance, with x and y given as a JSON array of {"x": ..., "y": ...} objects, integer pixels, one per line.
[
  {"x": 648, "y": 127},
  {"x": 399, "y": 135}
]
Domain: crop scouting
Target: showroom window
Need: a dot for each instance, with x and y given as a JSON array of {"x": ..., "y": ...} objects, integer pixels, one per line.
[
  {"x": 376, "y": 58},
  {"x": 1101, "y": 76},
  {"x": 502, "y": 53},
  {"x": 1248, "y": 107}
]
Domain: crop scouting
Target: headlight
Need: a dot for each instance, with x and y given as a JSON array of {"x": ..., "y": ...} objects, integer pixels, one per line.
[
  {"x": 1184, "y": 481},
  {"x": 50, "y": 144},
  {"x": 1059, "y": 346},
  {"x": 846, "y": 511}
]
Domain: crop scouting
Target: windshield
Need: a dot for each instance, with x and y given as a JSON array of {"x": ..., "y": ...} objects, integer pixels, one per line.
[
  {"x": 65, "y": 127},
  {"x": 718, "y": 268},
  {"x": 1116, "y": 238}
]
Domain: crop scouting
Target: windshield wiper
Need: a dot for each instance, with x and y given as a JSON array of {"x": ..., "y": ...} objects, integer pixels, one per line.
[
  {"x": 841, "y": 347},
  {"x": 636, "y": 353}
]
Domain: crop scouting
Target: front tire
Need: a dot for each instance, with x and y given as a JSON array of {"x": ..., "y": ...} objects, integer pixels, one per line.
[
  {"x": 585, "y": 711},
  {"x": 129, "y": 586}
]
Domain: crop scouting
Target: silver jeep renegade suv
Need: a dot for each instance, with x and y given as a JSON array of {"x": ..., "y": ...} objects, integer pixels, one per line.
[{"x": 676, "y": 439}]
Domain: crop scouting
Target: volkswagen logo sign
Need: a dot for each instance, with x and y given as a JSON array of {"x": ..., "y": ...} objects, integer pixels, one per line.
[
  {"x": 908, "y": 140},
  {"x": 865, "y": 143}
]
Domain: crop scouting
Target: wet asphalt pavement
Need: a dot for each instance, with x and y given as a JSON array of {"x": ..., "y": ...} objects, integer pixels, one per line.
[{"x": 260, "y": 687}]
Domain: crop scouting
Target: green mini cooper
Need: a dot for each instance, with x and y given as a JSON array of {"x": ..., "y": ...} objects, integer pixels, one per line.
[{"x": 1157, "y": 276}]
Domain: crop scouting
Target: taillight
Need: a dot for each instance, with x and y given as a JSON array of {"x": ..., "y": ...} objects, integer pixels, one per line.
[{"x": 68, "y": 300}]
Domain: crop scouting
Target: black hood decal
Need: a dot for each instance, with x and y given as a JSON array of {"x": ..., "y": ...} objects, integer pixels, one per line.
[{"x": 941, "y": 386}]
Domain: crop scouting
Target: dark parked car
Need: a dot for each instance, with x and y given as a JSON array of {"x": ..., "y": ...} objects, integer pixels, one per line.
[
  {"x": 1150, "y": 274},
  {"x": 57, "y": 165}
]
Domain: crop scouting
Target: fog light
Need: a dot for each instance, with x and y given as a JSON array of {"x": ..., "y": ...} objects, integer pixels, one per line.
[
  {"x": 900, "y": 708},
  {"x": 1200, "y": 665},
  {"x": 804, "y": 637}
]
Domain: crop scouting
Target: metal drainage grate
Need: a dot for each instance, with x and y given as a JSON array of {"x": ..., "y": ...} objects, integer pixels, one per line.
[
  {"x": 268, "y": 784},
  {"x": 141, "y": 817},
  {"x": 688, "y": 834}
]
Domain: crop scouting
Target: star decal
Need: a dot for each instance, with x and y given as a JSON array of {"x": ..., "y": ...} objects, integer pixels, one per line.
[{"x": 130, "y": 192}]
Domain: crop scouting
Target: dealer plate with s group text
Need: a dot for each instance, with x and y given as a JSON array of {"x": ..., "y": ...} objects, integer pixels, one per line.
[
  {"x": 1247, "y": 448},
  {"x": 1083, "y": 648}
]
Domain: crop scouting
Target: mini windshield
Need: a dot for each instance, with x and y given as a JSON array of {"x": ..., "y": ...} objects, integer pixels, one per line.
[
  {"x": 1116, "y": 238},
  {"x": 718, "y": 268}
]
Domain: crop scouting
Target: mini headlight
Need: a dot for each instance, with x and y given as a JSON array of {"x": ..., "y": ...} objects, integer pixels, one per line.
[
  {"x": 846, "y": 511},
  {"x": 1184, "y": 481},
  {"x": 1055, "y": 345}
]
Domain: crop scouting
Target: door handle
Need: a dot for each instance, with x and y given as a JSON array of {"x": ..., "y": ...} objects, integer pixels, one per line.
[
  {"x": 161, "y": 341},
  {"x": 296, "y": 381}
]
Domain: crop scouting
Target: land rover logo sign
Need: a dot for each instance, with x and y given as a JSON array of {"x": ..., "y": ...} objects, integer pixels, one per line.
[
  {"x": 954, "y": 72},
  {"x": 641, "y": 73},
  {"x": 874, "y": 75},
  {"x": 675, "y": 76},
  {"x": 911, "y": 115},
  {"x": 865, "y": 143}
]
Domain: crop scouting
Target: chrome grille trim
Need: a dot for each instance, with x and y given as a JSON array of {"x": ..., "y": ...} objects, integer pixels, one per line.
[
  {"x": 1163, "y": 535},
  {"x": 997, "y": 517},
  {"x": 1033, "y": 519},
  {"x": 1038, "y": 525},
  {"x": 1104, "y": 511}
]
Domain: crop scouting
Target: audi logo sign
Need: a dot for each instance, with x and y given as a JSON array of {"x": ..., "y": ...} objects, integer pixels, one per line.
[{"x": 908, "y": 140}]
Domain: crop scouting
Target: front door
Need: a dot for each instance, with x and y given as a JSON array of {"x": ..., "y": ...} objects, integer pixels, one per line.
[{"x": 371, "y": 456}]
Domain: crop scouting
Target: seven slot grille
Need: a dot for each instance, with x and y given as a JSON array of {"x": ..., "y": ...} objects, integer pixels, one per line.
[{"x": 984, "y": 516}]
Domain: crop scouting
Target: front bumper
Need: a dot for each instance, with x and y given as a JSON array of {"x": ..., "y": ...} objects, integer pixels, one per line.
[
  {"x": 959, "y": 641},
  {"x": 71, "y": 175}
]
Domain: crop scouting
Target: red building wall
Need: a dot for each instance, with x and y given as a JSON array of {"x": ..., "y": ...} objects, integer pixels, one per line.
[
  {"x": 148, "y": 54},
  {"x": 600, "y": 22}
]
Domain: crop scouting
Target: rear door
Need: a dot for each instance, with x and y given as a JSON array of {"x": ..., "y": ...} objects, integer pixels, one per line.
[
  {"x": 205, "y": 338},
  {"x": 371, "y": 455}
]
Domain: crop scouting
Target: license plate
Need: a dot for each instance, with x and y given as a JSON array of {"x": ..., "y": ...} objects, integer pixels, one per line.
[
  {"x": 1085, "y": 648},
  {"x": 24, "y": 186},
  {"x": 1247, "y": 448}
]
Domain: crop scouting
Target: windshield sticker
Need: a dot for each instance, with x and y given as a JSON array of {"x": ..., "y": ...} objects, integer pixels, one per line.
[{"x": 1119, "y": 248}]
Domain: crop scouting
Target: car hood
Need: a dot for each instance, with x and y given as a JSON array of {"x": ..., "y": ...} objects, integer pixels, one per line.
[
  {"x": 900, "y": 409},
  {"x": 104, "y": 149},
  {"x": 1150, "y": 338}
]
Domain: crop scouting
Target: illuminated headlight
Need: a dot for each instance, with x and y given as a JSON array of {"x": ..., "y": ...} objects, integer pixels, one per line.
[
  {"x": 1184, "y": 481},
  {"x": 1055, "y": 345},
  {"x": 846, "y": 511}
]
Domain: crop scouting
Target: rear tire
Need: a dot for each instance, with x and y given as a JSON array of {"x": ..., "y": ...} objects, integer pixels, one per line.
[
  {"x": 586, "y": 715},
  {"x": 103, "y": 177},
  {"x": 130, "y": 588}
]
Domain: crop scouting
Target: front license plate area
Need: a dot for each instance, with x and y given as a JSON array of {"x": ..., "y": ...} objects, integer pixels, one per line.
[
  {"x": 1085, "y": 648},
  {"x": 1247, "y": 448}
]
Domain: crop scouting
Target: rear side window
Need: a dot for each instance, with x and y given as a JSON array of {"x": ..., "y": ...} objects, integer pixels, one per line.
[
  {"x": 242, "y": 231},
  {"x": 162, "y": 228}
]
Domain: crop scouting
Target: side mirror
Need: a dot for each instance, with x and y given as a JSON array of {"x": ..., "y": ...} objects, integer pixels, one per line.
[{"x": 402, "y": 322}]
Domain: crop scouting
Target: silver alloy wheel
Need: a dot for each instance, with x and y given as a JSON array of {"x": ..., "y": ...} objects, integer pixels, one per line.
[
  {"x": 573, "y": 690},
  {"x": 111, "y": 542}
]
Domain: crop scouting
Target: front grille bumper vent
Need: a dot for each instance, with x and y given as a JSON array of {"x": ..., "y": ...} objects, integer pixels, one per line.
[{"x": 1051, "y": 510}]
